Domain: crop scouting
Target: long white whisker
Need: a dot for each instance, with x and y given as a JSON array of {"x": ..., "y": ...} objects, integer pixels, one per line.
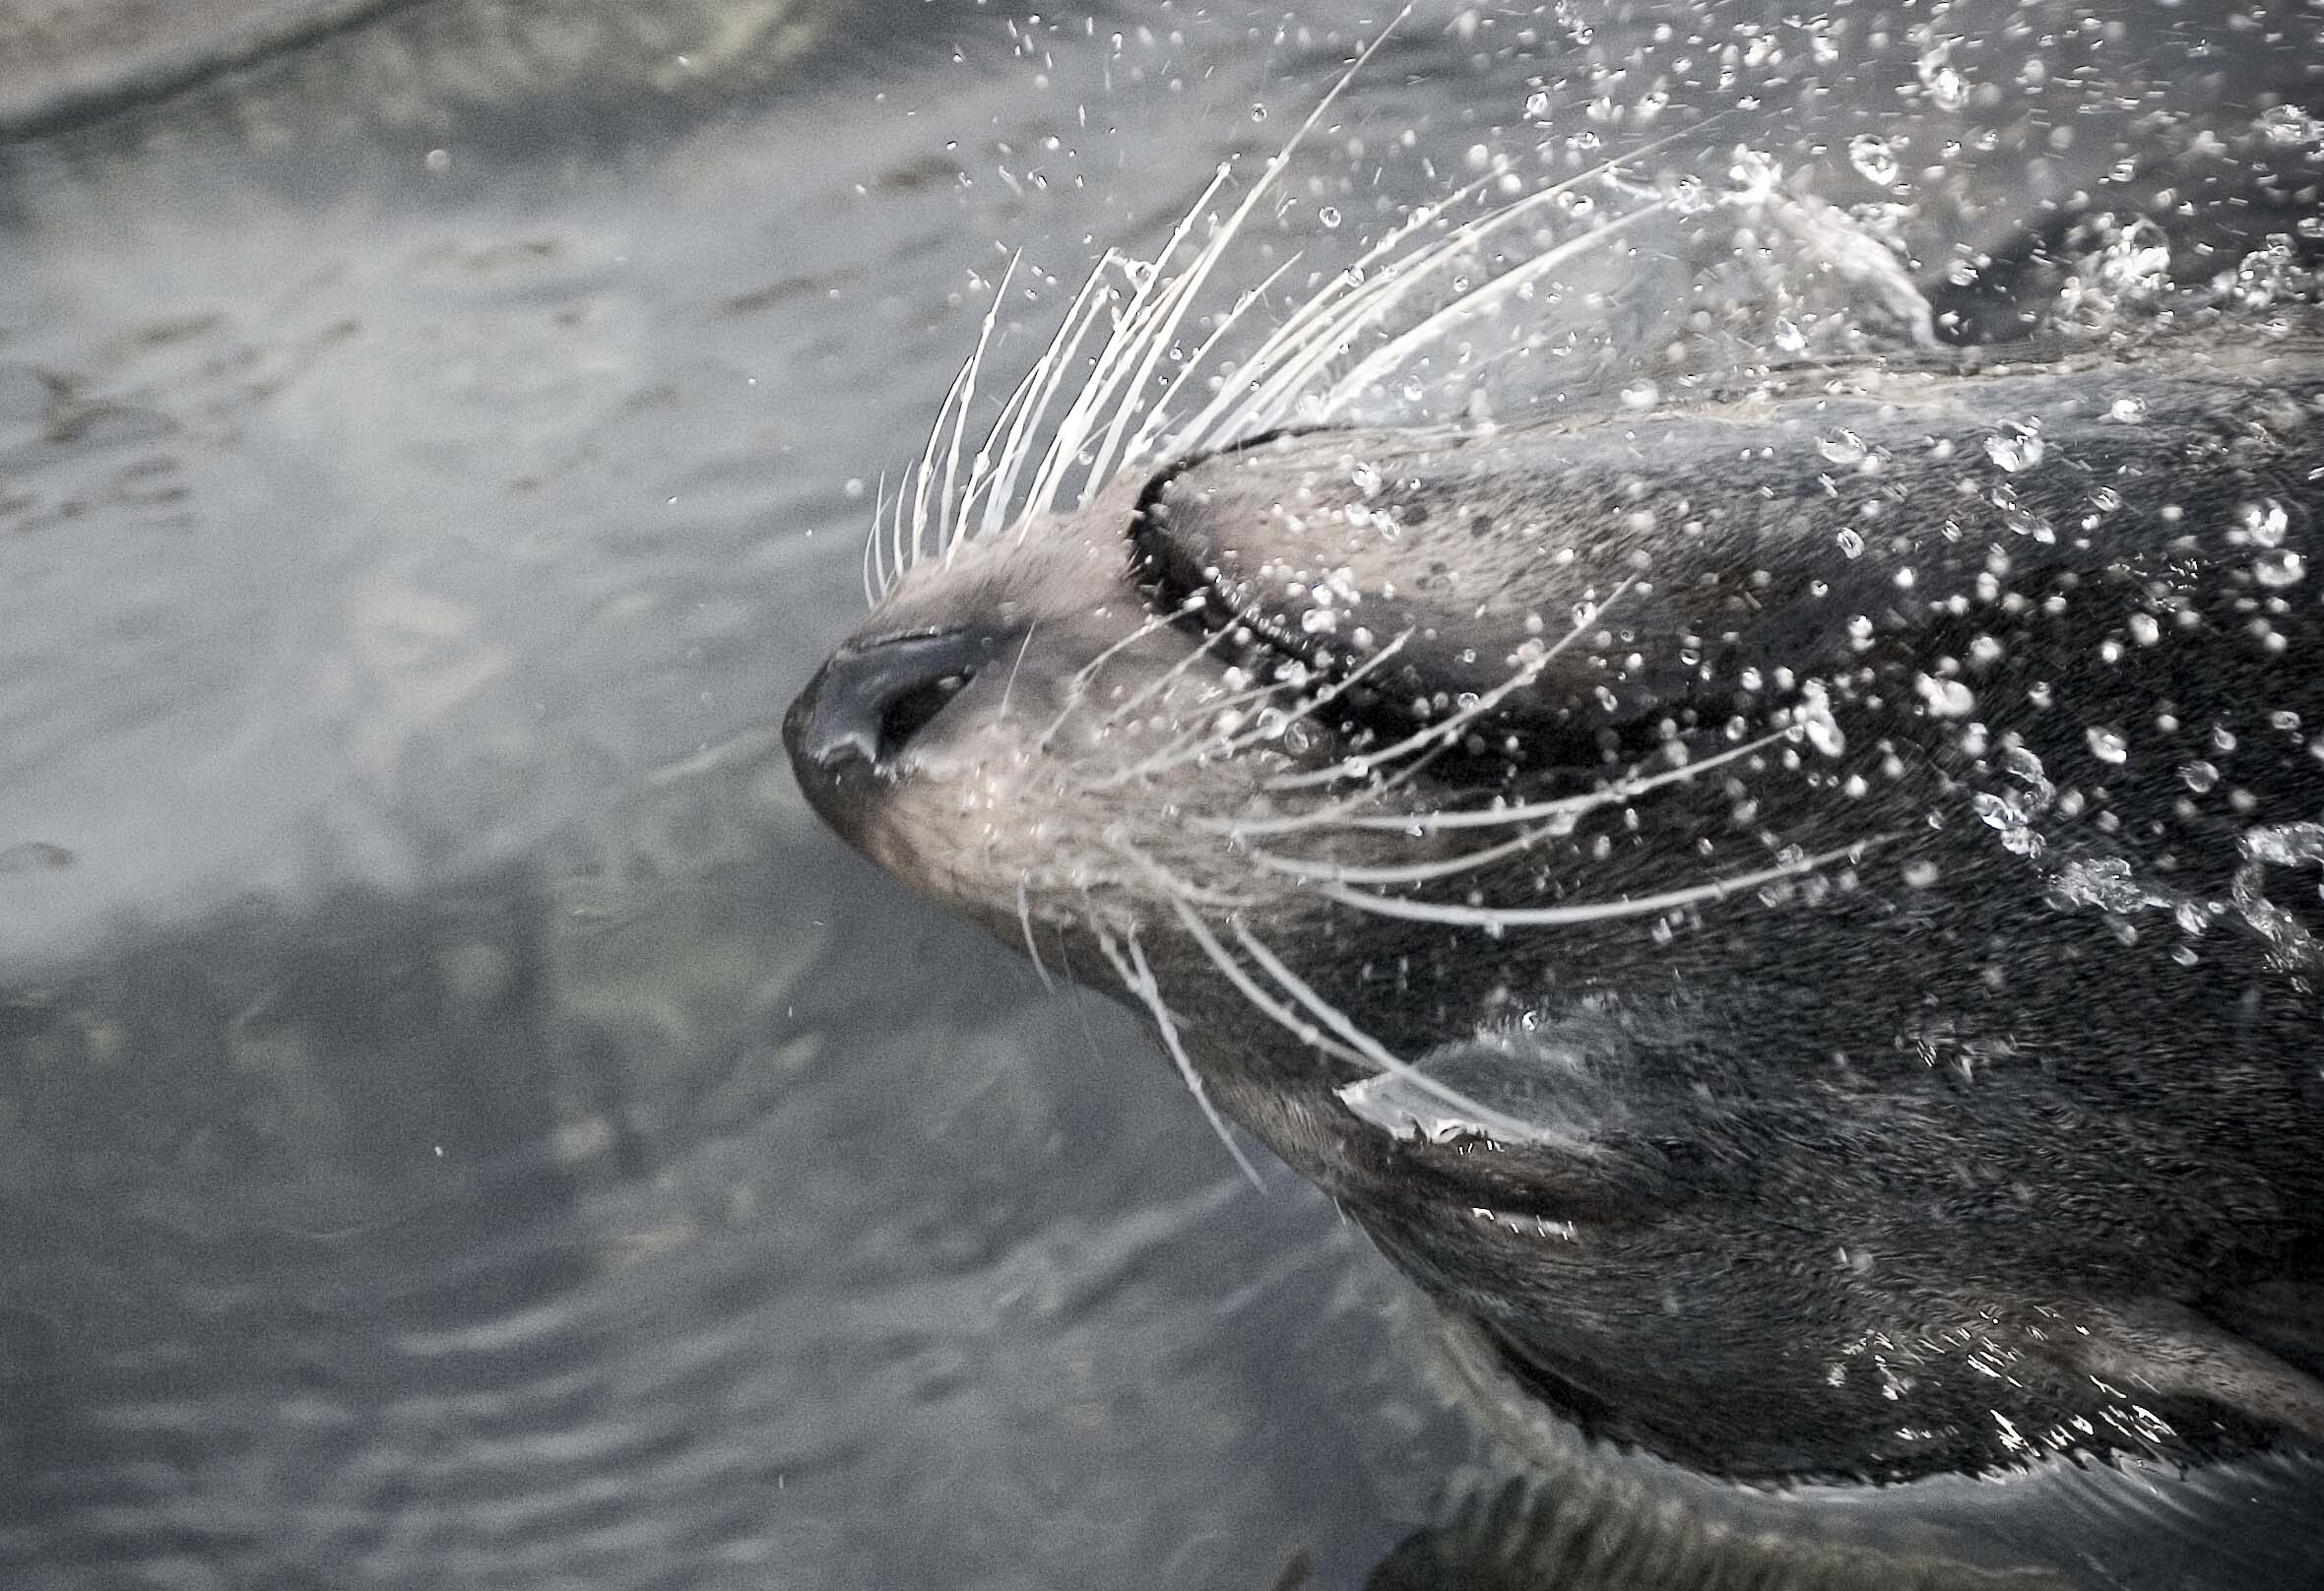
[
  {"x": 874, "y": 565},
  {"x": 1178, "y": 888},
  {"x": 1008, "y": 687},
  {"x": 1032, "y": 947},
  {"x": 1141, "y": 441},
  {"x": 983, "y": 472},
  {"x": 1200, "y": 270},
  {"x": 1139, "y": 978},
  {"x": 1076, "y": 688},
  {"x": 947, "y": 534},
  {"x": 1494, "y": 1122},
  {"x": 1043, "y": 382},
  {"x": 1163, "y": 681},
  {"x": 1108, "y": 371},
  {"x": 1520, "y": 917},
  {"x": 1274, "y": 378},
  {"x": 1200, "y": 744},
  {"x": 927, "y": 473},
  {"x": 1392, "y": 354},
  {"x": 1263, "y": 361},
  {"x": 1444, "y": 733},
  {"x": 1154, "y": 333},
  {"x": 1628, "y": 787}
]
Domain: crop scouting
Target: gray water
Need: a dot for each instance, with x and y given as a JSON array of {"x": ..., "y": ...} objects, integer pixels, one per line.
[{"x": 461, "y": 1122}]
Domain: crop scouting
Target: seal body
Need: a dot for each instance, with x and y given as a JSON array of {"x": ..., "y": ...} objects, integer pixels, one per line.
[{"x": 1792, "y": 911}]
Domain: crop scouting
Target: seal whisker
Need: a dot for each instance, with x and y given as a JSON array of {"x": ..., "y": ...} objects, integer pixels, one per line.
[
  {"x": 1009, "y": 685},
  {"x": 1518, "y": 916},
  {"x": 1477, "y": 300},
  {"x": 1109, "y": 370},
  {"x": 1308, "y": 870},
  {"x": 1141, "y": 442},
  {"x": 1078, "y": 686},
  {"x": 981, "y": 472},
  {"x": 1305, "y": 709},
  {"x": 1493, "y": 1122},
  {"x": 1042, "y": 385},
  {"x": 1629, "y": 786},
  {"x": 1161, "y": 683},
  {"x": 1526, "y": 673},
  {"x": 1206, "y": 743},
  {"x": 1338, "y": 1037},
  {"x": 1159, "y": 326},
  {"x": 1333, "y": 812},
  {"x": 1210, "y": 741},
  {"x": 875, "y": 562},
  {"x": 1189, "y": 281},
  {"x": 1138, "y": 979},
  {"x": 1032, "y": 946},
  {"x": 925, "y": 474},
  {"x": 1273, "y": 401},
  {"x": 1178, "y": 888},
  {"x": 1356, "y": 296},
  {"x": 947, "y": 533}
]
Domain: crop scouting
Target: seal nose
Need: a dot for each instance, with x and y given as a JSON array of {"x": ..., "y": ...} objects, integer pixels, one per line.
[{"x": 866, "y": 702}]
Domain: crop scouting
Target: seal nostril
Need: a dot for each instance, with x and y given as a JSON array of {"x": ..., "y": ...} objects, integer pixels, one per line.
[
  {"x": 868, "y": 703},
  {"x": 915, "y": 709}
]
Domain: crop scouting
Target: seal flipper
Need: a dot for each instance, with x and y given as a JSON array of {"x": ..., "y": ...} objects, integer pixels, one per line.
[
  {"x": 1565, "y": 1124},
  {"x": 2174, "y": 1351}
]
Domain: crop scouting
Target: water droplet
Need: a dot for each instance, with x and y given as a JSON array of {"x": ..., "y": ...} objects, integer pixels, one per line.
[
  {"x": 1328, "y": 216},
  {"x": 2129, "y": 410},
  {"x": 2264, "y": 522},
  {"x": 2200, "y": 777},
  {"x": 1945, "y": 87},
  {"x": 1842, "y": 447},
  {"x": 2018, "y": 448},
  {"x": 2107, "y": 744},
  {"x": 1537, "y": 104},
  {"x": 1852, "y": 543},
  {"x": 2289, "y": 124},
  {"x": 1367, "y": 479},
  {"x": 1258, "y": 113},
  {"x": 1872, "y": 158},
  {"x": 1640, "y": 394},
  {"x": 2278, "y": 567},
  {"x": 1945, "y": 698}
]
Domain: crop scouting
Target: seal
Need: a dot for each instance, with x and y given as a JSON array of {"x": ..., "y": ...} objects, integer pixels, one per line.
[{"x": 1786, "y": 906}]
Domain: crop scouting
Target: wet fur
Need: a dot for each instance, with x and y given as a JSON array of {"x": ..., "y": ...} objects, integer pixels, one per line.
[
  {"x": 1841, "y": 1062},
  {"x": 1896, "y": 1166}
]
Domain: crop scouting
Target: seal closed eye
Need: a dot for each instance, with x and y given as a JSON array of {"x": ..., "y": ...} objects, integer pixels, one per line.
[{"x": 1782, "y": 911}]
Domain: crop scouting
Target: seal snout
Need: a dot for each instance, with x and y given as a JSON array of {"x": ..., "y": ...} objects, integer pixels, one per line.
[{"x": 864, "y": 708}]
